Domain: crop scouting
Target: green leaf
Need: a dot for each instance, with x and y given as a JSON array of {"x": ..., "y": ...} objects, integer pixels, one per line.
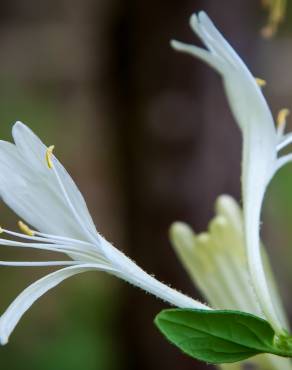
[{"x": 220, "y": 336}]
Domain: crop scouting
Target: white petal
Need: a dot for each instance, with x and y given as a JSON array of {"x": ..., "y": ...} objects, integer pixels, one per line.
[
  {"x": 29, "y": 187},
  {"x": 212, "y": 38},
  {"x": 33, "y": 150},
  {"x": 228, "y": 207},
  {"x": 200, "y": 53},
  {"x": 23, "y": 302},
  {"x": 29, "y": 194},
  {"x": 245, "y": 96}
]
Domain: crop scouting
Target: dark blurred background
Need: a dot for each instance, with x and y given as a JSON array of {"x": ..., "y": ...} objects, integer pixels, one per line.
[{"x": 148, "y": 136}]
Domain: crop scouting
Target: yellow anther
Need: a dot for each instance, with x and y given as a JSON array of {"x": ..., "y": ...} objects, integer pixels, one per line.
[
  {"x": 25, "y": 229},
  {"x": 49, "y": 154},
  {"x": 260, "y": 82},
  {"x": 277, "y": 11},
  {"x": 1, "y": 230},
  {"x": 282, "y": 115}
]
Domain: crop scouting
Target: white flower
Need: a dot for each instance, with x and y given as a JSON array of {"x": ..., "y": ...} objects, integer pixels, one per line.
[
  {"x": 217, "y": 264},
  {"x": 215, "y": 259},
  {"x": 261, "y": 144},
  {"x": 35, "y": 185}
]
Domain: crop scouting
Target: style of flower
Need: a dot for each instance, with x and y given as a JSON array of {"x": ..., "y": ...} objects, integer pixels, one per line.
[{"x": 35, "y": 185}]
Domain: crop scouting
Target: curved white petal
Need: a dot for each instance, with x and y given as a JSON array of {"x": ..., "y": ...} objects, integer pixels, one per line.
[
  {"x": 255, "y": 120},
  {"x": 200, "y": 53},
  {"x": 34, "y": 151},
  {"x": 30, "y": 188},
  {"x": 212, "y": 38},
  {"x": 24, "y": 301}
]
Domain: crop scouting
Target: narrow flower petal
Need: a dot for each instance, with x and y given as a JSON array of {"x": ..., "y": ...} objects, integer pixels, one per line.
[
  {"x": 23, "y": 302},
  {"x": 227, "y": 207},
  {"x": 26, "y": 184},
  {"x": 212, "y": 38},
  {"x": 92, "y": 235},
  {"x": 200, "y": 53}
]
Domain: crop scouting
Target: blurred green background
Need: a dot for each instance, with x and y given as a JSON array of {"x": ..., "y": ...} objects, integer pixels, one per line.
[{"x": 148, "y": 136}]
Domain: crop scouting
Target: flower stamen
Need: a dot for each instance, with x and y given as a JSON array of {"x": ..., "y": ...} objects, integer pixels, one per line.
[
  {"x": 282, "y": 115},
  {"x": 25, "y": 229},
  {"x": 260, "y": 82},
  {"x": 281, "y": 121},
  {"x": 49, "y": 154}
]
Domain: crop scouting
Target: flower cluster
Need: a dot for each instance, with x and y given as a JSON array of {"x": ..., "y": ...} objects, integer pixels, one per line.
[{"x": 228, "y": 262}]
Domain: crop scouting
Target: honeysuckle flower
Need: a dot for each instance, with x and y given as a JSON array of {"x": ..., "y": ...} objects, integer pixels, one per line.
[
  {"x": 261, "y": 145},
  {"x": 35, "y": 185},
  {"x": 217, "y": 264},
  {"x": 215, "y": 259}
]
